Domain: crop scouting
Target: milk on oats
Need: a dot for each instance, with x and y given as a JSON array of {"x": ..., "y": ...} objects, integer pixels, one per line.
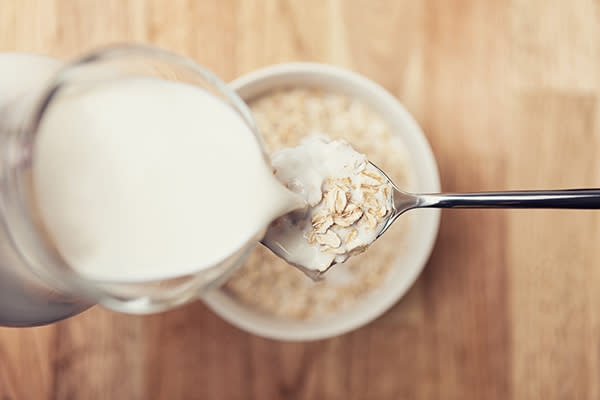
[{"x": 349, "y": 202}]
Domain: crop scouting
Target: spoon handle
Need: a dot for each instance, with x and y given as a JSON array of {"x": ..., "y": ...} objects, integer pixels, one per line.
[{"x": 569, "y": 198}]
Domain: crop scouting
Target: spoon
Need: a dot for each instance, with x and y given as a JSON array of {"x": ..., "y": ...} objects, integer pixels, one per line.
[{"x": 402, "y": 202}]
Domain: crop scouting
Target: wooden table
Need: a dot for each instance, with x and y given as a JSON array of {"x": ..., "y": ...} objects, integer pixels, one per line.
[{"x": 508, "y": 307}]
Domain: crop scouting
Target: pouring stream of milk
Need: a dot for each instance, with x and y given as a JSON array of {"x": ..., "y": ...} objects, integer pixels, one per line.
[{"x": 143, "y": 179}]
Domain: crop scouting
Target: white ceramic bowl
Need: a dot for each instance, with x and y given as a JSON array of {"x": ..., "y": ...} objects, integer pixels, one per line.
[{"x": 422, "y": 231}]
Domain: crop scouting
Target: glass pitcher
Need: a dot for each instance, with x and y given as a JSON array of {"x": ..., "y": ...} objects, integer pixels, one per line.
[{"x": 36, "y": 286}]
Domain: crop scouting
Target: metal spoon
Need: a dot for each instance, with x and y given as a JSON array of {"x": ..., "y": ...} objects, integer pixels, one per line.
[
  {"x": 402, "y": 202},
  {"x": 581, "y": 199}
]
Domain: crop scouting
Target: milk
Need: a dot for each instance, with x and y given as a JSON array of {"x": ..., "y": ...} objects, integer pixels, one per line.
[{"x": 145, "y": 179}]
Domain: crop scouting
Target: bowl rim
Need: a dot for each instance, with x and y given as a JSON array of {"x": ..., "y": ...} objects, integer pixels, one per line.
[{"x": 238, "y": 314}]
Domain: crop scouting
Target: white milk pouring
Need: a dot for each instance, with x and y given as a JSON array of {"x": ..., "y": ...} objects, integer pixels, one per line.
[
  {"x": 137, "y": 179},
  {"x": 149, "y": 179}
]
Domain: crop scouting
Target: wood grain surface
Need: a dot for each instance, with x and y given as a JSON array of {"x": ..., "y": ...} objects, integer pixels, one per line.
[{"x": 509, "y": 305}]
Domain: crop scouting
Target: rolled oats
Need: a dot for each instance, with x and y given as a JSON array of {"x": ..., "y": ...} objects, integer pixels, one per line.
[
  {"x": 340, "y": 201},
  {"x": 321, "y": 222},
  {"x": 329, "y": 239},
  {"x": 349, "y": 216}
]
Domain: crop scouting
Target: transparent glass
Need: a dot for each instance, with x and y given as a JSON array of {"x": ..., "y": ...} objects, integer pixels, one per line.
[{"x": 32, "y": 254}]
